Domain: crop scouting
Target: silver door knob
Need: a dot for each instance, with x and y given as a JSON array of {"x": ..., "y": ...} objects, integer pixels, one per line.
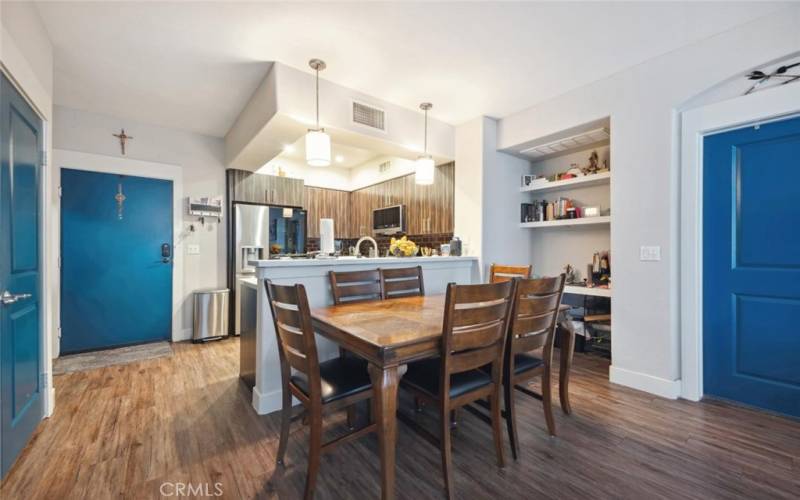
[{"x": 10, "y": 298}]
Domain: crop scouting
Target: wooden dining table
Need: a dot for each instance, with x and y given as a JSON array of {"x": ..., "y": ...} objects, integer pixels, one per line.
[{"x": 389, "y": 334}]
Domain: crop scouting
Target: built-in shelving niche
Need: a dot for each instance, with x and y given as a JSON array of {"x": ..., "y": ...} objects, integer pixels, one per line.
[{"x": 569, "y": 241}]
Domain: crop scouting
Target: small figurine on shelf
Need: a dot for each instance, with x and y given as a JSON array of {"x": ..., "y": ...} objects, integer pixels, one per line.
[
  {"x": 593, "y": 167},
  {"x": 569, "y": 271},
  {"x": 605, "y": 269}
]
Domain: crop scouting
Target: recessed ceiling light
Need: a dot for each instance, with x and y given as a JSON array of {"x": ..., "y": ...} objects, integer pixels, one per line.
[
  {"x": 288, "y": 148},
  {"x": 339, "y": 158}
]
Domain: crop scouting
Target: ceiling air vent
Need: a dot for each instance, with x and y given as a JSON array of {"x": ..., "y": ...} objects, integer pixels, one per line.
[{"x": 369, "y": 116}]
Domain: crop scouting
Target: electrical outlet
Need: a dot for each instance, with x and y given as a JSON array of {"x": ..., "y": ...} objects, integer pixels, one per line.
[
  {"x": 193, "y": 249},
  {"x": 650, "y": 253}
]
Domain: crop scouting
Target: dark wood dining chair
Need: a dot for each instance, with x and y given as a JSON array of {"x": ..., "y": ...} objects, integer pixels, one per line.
[
  {"x": 350, "y": 287},
  {"x": 327, "y": 386},
  {"x": 402, "y": 282},
  {"x": 355, "y": 286},
  {"x": 499, "y": 273},
  {"x": 534, "y": 315},
  {"x": 474, "y": 335}
]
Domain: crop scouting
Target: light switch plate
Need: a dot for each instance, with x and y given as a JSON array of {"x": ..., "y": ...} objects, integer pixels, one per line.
[
  {"x": 650, "y": 253},
  {"x": 193, "y": 249}
]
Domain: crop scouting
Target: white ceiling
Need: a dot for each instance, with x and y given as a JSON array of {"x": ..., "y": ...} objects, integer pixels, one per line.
[
  {"x": 194, "y": 65},
  {"x": 342, "y": 155}
]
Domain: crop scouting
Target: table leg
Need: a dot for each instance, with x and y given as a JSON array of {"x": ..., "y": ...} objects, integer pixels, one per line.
[
  {"x": 567, "y": 349},
  {"x": 385, "y": 381}
]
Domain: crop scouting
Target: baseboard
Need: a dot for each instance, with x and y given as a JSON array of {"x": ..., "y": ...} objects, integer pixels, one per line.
[
  {"x": 267, "y": 403},
  {"x": 51, "y": 403},
  {"x": 181, "y": 335},
  {"x": 665, "y": 388}
]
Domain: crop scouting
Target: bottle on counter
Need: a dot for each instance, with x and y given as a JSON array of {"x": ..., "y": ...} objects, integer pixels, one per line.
[{"x": 455, "y": 246}]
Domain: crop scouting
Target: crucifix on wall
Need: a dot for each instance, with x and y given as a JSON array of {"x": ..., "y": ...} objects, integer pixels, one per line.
[{"x": 123, "y": 138}]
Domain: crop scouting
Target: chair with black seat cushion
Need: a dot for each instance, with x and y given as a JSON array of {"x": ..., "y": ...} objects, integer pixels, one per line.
[
  {"x": 328, "y": 386},
  {"x": 402, "y": 282},
  {"x": 532, "y": 327},
  {"x": 473, "y": 335},
  {"x": 499, "y": 272},
  {"x": 350, "y": 287}
]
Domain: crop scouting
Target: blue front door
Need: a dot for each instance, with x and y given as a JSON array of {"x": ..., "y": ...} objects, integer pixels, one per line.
[
  {"x": 20, "y": 287},
  {"x": 116, "y": 260},
  {"x": 751, "y": 221}
]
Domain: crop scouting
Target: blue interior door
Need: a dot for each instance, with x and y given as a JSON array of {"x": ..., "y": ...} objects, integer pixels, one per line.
[
  {"x": 751, "y": 331},
  {"x": 116, "y": 260},
  {"x": 20, "y": 287}
]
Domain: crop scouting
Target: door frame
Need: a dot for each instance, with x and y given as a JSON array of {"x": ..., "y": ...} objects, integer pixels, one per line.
[
  {"x": 75, "y": 160},
  {"x": 760, "y": 107}
]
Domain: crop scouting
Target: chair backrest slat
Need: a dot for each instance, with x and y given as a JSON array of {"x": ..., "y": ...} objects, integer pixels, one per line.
[
  {"x": 296, "y": 360},
  {"x": 289, "y": 316},
  {"x": 534, "y": 317},
  {"x": 535, "y": 305},
  {"x": 297, "y": 345},
  {"x": 482, "y": 335},
  {"x": 468, "y": 316},
  {"x": 522, "y": 325},
  {"x": 499, "y": 273},
  {"x": 402, "y": 282},
  {"x": 470, "y": 360},
  {"x": 355, "y": 286},
  {"x": 475, "y": 324}
]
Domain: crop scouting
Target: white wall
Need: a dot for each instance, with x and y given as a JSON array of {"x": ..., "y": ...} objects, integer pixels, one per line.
[
  {"x": 26, "y": 54},
  {"x": 468, "y": 185},
  {"x": 200, "y": 157},
  {"x": 504, "y": 242},
  {"x": 643, "y": 103},
  {"x": 486, "y": 199}
]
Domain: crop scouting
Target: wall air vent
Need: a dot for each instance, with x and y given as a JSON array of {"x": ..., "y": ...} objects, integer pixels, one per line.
[
  {"x": 369, "y": 116},
  {"x": 385, "y": 166}
]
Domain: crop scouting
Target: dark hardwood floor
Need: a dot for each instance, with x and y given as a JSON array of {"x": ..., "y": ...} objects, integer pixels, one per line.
[{"x": 124, "y": 431}]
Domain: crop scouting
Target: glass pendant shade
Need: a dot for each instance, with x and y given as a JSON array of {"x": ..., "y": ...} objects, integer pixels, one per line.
[
  {"x": 318, "y": 148},
  {"x": 424, "y": 170}
]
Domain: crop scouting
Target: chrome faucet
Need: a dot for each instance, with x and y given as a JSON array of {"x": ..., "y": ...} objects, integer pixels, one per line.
[{"x": 373, "y": 252}]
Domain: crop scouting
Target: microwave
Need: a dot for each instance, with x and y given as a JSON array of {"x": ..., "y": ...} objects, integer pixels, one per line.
[{"x": 389, "y": 220}]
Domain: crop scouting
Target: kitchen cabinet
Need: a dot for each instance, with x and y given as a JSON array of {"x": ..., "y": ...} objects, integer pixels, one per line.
[
  {"x": 330, "y": 204},
  {"x": 266, "y": 189},
  {"x": 284, "y": 191},
  {"x": 429, "y": 209},
  {"x": 361, "y": 212}
]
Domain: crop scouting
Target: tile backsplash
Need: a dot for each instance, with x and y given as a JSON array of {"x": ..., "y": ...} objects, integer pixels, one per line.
[{"x": 422, "y": 240}]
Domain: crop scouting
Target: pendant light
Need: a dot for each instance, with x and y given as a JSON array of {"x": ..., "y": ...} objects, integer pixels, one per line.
[
  {"x": 318, "y": 143},
  {"x": 425, "y": 166}
]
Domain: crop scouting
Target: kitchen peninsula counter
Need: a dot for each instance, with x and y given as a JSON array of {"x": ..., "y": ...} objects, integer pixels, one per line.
[{"x": 313, "y": 274}]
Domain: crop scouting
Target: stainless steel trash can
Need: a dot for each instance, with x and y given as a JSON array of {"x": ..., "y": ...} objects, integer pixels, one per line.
[{"x": 210, "y": 314}]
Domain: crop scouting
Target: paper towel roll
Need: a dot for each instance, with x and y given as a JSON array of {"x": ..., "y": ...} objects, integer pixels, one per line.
[{"x": 326, "y": 235}]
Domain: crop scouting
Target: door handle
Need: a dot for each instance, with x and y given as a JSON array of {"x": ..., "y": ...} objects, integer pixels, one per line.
[
  {"x": 10, "y": 298},
  {"x": 166, "y": 253}
]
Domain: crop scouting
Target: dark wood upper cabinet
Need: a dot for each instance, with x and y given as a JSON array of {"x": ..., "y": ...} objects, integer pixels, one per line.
[
  {"x": 267, "y": 189},
  {"x": 429, "y": 209},
  {"x": 327, "y": 204}
]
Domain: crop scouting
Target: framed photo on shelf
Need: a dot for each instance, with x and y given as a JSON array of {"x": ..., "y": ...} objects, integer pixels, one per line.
[{"x": 527, "y": 180}]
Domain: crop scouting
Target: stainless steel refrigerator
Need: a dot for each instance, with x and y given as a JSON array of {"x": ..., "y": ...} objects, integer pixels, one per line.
[{"x": 262, "y": 232}]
